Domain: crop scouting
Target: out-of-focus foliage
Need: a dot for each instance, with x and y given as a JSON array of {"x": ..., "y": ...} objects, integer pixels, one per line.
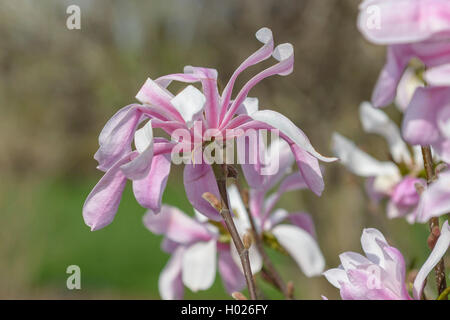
[{"x": 58, "y": 87}]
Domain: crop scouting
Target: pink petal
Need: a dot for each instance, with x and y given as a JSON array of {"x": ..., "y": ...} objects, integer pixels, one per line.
[
  {"x": 265, "y": 36},
  {"x": 149, "y": 190},
  {"x": 309, "y": 169},
  {"x": 284, "y": 53},
  {"x": 232, "y": 277},
  {"x": 101, "y": 204},
  {"x": 170, "y": 280},
  {"x": 420, "y": 123},
  {"x": 176, "y": 226},
  {"x": 438, "y": 76},
  {"x": 198, "y": 179},
  {"x": 404, "y": 21}
]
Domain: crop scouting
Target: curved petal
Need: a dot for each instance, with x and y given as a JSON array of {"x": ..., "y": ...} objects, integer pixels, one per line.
[
  {"x": 199, "y": 265},
  {"x": 419, "y": 124},
  {"x": 102, "y": 203},
  {"x": 198, "y": 179},
  {"x": 359, "y": 162},
  {"x": 438, "y": 76},
  {"x": 232, "y": 277},
  {"x": 115, "y": 139},
  {"x": 336, "y": 277},
  {"x": 263, "y": 35},
  {"x": 189, "y": 103},
  {"x": 154, "y": 94},
  {"x": 406, "y": 88},
  {"x": 435, "y": 200},
  {"x": 438, "y": 252},
  {"x": 373, "y": 242},
  {"x": 170, "y": 283},
  {"x": 309, "y": 169},
  {"x": 140, "y": 166},
  {"x": 302, "y": 247},
  {"x": 149, "y": 190},
  {"x": 209, "y": 84},
  {"x": 386, "y": 86},
  {"x": 176, "y": 226},
  {"x": 376, "y": 121},
  {"x": 284, "y": 53},
  {"x": 287, "y": 127},
  {"x": 403, "y": 21}
]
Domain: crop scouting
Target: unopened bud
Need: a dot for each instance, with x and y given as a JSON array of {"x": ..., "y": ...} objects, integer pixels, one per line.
[
  {"x": 238, "y": 296},
  {"x": 213, "y": 201},
  {"x": 290, "y": 289},
  {"x": 247, "y": 239},
  {"x": 441, "y": 167},
  {"x": 419, "y": 188}
]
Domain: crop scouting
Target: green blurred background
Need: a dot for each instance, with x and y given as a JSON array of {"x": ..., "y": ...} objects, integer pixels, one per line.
[{"x": 58, "y": 87}]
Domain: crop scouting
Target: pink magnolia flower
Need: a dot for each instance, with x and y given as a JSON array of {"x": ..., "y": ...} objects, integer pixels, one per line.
[
  {"x": 435, "y": 200},
  {"x": 294, "y": 231},
  {"x": 427, "y": 121},
  {"x": 380, "y": 275},
  {"x": 148, "y": 165},
  {"x": 411, "y": 29},
  {"x": 198, "y": 247},
  {"x": 394, "y": 180}
]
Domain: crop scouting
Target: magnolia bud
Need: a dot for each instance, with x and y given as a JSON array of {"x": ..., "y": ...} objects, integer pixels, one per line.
[
  {"x": 247, "y": 239},
  {"x": 238, "y": 296},
  {"x": 213, "y": 201}
]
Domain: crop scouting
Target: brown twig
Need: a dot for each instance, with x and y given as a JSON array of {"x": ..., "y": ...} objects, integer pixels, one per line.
[
  {"x": 434, "y": 222},
  {"x": 270, "y": 270},
  {"x": 221, "y": 173}
]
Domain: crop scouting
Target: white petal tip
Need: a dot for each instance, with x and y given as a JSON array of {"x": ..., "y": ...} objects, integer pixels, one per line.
[
  {"x": 264, "y": 35},
  {"x": 283, "y": 51}
]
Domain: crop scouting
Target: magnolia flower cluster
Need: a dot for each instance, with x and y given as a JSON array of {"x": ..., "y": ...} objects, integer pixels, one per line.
[
  {"x": 148, "y": 165},
  {"x": 199, "y": 246}
]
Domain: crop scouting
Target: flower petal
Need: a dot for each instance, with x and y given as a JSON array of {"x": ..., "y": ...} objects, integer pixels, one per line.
[
  {"x": 232, "y": 277},
  {"x": 265, "y": 36},
  {"x": 149, "y": 190},
  {"x": 199, "y": 265},
  {"x": 359, "y": 162},
  {"x": 190, "y": 103},
  {"x": 376, "y": 121},
  {"x": 435, "y": 200},
  {"x": 282, "y": 123},
  {"x": 101, "y": 204},
  {"x": 198, "y": 179},
  {"x": 372, "y": 242},
  {"x": 403, "y": 21},
  {"x": 419, "y": 124},
  {"x": 438, "y": 252},
  {"x": 309, "y": 169},
  {"x": 176, "y": 226},
  {"x": 336, "y": 277},
  {"x": 170, "y": 283},
  {"x": 302, "y": 247},
  {"x": 139, "y": 167},
  {"x": 438, "y": 76}
]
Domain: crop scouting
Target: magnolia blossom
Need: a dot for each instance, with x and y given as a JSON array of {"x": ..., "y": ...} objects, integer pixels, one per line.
[
  {"x": 380, "y": 274},
  {"x": 411, "y": 29},
  {"x": 435, "y": 200},
  {"x": 199, "y": 248},
  {"x": 394, "y": 179},
  {"x": 294, "y": 231},
  {"x": 417, "y": 29},
  {"x": 148, "y": 164}
]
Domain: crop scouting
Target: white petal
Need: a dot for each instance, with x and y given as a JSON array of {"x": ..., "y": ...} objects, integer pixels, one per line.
[
  {"x": 143, "y": 137},
  {"x": 336, "y": 276},
  {"x": 359, "y": 162},
  {"x": 438, "y": 252},
  {"x": 287, "y": 127},
  {"x": 189, "y": 103},
  {"x": 254, "y": 256},
  {"x": 302, "y": 247},
  {"x": 406, "y": 88},
  {"x": 372, "y": 241},
  {"x": 199, "y": 265},
  {"x": 249, "y": 106},
  {"x": 238, "y": 207},
  {"x": 376, "y": 121},
  {"x": 438, "y": 76},
  {"x": 169, "y": 283}
]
